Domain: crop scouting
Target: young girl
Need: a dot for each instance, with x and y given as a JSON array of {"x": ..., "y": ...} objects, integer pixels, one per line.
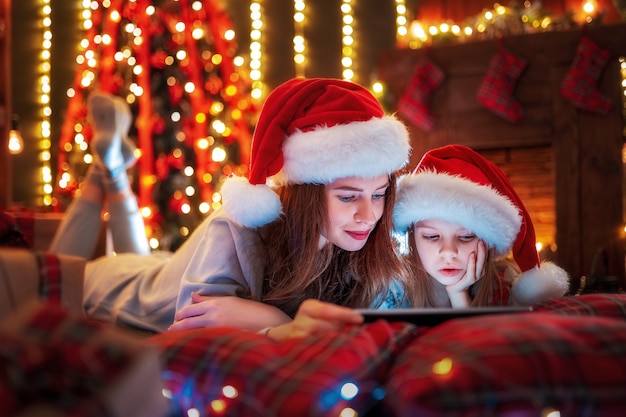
[
  {"x": 308, "y": 231},
  {"x": 462, "y": 218}
]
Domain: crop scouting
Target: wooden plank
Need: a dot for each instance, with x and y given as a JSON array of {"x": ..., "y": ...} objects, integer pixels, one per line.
[{"x": 601, "y": 182}]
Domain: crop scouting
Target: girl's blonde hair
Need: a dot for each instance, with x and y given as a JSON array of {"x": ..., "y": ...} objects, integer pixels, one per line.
[
  {"x": 485, "y": 292},
  {"x": 297, "y": 269}
]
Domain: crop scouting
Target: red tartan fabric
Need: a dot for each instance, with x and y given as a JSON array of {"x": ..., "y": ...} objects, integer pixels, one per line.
[
  {"x": 55, "y": 363},
  {"x": 50, "y": 362},
  {"x": 605, "y": 305},
  {"x": 496, "y": 90},
  {"x": 414, "y": 103},
  {"x": 304, "y": 377},
  {"x": 579, "y": 85},
  {"x": 520, "y": 365},
  {"x": 49, "y": 277}
]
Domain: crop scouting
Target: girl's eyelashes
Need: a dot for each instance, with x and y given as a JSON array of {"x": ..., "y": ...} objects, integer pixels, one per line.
[
  {"x": 346, "y": 198},
  {"x": 435, "y": 236},
  {"x": 349, "y": 198}
]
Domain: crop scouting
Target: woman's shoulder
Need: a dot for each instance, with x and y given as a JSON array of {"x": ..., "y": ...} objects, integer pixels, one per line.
[
  {"x": 220, "y": 226},
  {"x": 221, "y": 218}
]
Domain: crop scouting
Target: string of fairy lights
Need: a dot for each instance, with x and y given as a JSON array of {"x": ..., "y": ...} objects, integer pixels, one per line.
[
  {"x": 299, "y": 38},
  {"x": 347, "y": 40},
  {"x": 413, "y": 34},
  {"x": 45, "y": 142}
]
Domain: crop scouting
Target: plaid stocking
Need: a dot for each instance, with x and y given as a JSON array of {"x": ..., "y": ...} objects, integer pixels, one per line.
[
  {"x": 496, "y": 90},
  {"x": 414, "y": 103},
  {"x": 579, "y": 85}
]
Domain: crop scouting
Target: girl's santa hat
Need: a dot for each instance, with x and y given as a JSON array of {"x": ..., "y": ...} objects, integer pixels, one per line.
[
  {"x": 314, "y": 131},
  {"x": 456, "y": 184}
]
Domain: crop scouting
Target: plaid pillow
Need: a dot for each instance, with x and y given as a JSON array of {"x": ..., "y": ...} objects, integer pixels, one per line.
[
  {"x": 229, "y": 372},
  {"x": 606, "y": 305},
  {"x": 55, "y": 363},
  {"x": 525, "y": 364}
]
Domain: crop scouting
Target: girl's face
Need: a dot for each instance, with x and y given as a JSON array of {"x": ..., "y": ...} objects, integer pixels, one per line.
[
  {"x": 355, "y": 205},
  {"x": 444, "y": 249}
]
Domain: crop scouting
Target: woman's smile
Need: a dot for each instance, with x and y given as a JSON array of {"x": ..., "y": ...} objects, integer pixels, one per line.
[{"x": 359, "y": 235}]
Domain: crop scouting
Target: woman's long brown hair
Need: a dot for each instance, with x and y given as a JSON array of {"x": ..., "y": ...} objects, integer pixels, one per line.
[
  {"x": 421, "y": 289},
  {"x": 297, "y": 269}
]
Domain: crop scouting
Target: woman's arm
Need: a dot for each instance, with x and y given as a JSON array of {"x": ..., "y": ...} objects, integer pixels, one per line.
[
  {"x": 220, "y": 259},
  {"x": 230, "y": 311}
]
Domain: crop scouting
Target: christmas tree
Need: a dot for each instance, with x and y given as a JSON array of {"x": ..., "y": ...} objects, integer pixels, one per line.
[{"x": 175, "y": 62}]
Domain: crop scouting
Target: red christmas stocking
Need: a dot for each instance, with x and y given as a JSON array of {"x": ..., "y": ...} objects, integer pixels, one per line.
[
  {"x": 496, "y": 90},
  {"x": 579, "y": 85},
  {"x": 414, "y": 103}
]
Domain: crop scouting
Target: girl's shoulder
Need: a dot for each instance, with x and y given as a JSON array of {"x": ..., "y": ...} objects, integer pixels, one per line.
[{"x": 393, "y": 298}]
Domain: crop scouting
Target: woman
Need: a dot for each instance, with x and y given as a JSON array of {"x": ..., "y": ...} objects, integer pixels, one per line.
[
  {"x": 463, "y": 218},
  {"x": 306, "y": 231}
]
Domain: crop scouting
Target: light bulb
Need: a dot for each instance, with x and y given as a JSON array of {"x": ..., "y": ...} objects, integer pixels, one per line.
[{"x": 16, "y": 143}]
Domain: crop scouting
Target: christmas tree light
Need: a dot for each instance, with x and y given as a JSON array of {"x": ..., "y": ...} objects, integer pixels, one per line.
[{"x": 176, "y": 64}]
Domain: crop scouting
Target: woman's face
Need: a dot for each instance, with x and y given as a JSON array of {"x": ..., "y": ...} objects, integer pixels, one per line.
[
  {"x": 444, "y": 249},
  {"x": 355, "y": 205}
]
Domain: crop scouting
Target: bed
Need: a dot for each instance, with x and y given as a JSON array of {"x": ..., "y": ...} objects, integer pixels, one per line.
[{"x": 566, "y": 357}]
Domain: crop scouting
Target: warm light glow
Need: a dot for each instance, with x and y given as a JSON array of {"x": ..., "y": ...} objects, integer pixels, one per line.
[
  {"x": 299, "y": 41},
  {"x": 348, "y": 412},
  {"x": 532, "y": 17},
  {"x": 402, "y": 29},
  {"x": 218, "y": 406},
  {"x": 211, "y": 121},
  {"x": 347, "y": 40},
  {"x": 229, "y": 391},
  {"x": 349, "y": 390},
  {"x": 589, "y": 7},
  {"x": 218, "y": 154},
  {"x": 16, "y": 143},
  {"x": 45, "y": 109},
  {"x": 442, "y": 367}
]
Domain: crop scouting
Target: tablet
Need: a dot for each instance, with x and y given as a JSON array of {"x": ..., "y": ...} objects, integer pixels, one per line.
[{"x": 434, "y": 316}]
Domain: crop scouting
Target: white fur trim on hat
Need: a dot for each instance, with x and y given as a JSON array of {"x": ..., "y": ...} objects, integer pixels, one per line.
[
  {"x": 430, "y": 195},
  {"x": 540, "y": 284},
  {"x": 357, "y": 149},
  {"x": 250, "y": 205}
]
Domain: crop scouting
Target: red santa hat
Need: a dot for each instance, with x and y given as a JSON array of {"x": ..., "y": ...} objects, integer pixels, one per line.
[
  {"x": 456, "y": 184},
  {"x": 314, "y": 131}
]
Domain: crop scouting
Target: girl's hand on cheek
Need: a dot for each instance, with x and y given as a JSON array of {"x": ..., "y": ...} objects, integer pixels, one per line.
[{"x": 474, "y": 272}]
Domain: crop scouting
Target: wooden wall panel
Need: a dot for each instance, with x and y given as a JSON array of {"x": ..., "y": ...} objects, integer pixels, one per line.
[{"x": 5, "y": 102}]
